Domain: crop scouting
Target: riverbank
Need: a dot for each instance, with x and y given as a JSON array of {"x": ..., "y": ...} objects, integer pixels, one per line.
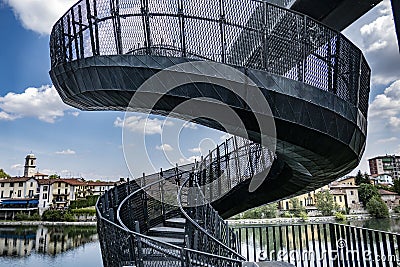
[
  {"x": 319, "y": 219},
  {"x": 46, "y": 223}
]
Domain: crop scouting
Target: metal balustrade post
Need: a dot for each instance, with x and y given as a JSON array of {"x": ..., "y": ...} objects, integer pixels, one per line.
[
  {"x": 96, "y": 28},
  {"x": 265, "y": 49},
  {"x": 81, "y": 47},
  {"x": 114, "y": 8},
  {"x": 182, "y": 34},
  {"x": 105, "y": 203},
  {"x": 304, "y": 48},
  {"x": 75, "y": 35},
  {"x": 69, "y": 39},
  {"x": 139, "y": 246},
  {"x": 222, "y": 30},
  {"x": 211, "y": 176},
  {"x": 162, "y": 200},
  {"x": 63, "y": 48},
  {"x": 185, "y": 260},
  {"x": 90, "y": 22},
  {"x": 128, "y": 191}
]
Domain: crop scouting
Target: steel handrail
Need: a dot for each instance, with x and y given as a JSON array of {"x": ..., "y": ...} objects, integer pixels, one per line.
[{"x": 201, "y": 228}]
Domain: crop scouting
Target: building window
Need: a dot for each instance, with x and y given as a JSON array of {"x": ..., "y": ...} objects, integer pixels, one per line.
[
  {"x": 59, "y": 184},
  {"x": 11, "y": 192},
  {"x": 30, "y": 193},
  {"x": 2, "y": 194},
  {"x": 340, "y": 198},
  {"x": 45, "y": 188},
  {"x": 334, "y": 198},
  {"x": 2, "y": 184},
  {"x": 351, "y": 192},
  {"x": 19, "y": 193},
  {"x": 20, "y": 184},
  {"x": 45, "y": 196},
  {"x": 11, "y": 184},
  {"x": 31, "y": 184},
  {"x": 66, "y": 191},
  {"x": 59, "y": 191}
]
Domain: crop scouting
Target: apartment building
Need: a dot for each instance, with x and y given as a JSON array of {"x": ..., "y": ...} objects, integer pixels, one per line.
[{"x": 388, "y": 164}]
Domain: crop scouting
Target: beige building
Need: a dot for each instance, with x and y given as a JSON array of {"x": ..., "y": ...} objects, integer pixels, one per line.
[
  {"x": 36, "y": 191},
  {"x": 390, "y": 198},
  {"x": 344, "y": 191}
]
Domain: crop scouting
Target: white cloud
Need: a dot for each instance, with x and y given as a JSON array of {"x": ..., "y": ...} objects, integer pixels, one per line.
[
  {"x": 6, "y": 117},
  {"x": 386, "y": 107},
  {"x": 379, "y": 43},
  {"x": 164, "y": 147},
  {"x": 43, "y": 103},
  {"x": 75, "y": 113},
  {"x": 16, "y": 166},
  {"x": 66, "y": 152},
  {"x": 39, "y": 15},
  {"x": 138, "y": 124},
  {"x": 388, "y": 140},
  {"x": 195, "y": 150},
  {"x": 225, "y": 136},
  {"x": 394, "y": 122},
  {"x": 190, "y": 125},
  {"x": 191, "y": 159}
]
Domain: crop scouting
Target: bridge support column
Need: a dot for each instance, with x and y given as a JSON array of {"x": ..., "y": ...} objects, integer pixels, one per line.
[{"x": 396, "y": 16}]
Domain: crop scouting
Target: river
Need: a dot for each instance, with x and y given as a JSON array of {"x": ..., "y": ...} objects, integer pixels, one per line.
[{"x": 62, "y": 246}]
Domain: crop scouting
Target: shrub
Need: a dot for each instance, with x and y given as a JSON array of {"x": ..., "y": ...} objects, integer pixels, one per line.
[
  {"x": 89, "y": 201},
  {"x": 304, "y": 216},
  {"x": 397, "y": 209},
  {"x": 297, "y": 208},
  {"x": 366, "y": 192},
  {"x": 57, "y": 216},
  {"x": 340, "y": 216},
  {"x": 325, "y": 203},
  {"x": 286, "y": 214},
  {"x": 21, "y": 216},
  {"x": 377, "y": 208},
  {"x": 87, "y": 211}
]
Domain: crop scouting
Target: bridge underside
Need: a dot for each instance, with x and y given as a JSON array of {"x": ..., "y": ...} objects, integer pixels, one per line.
[
  {"x": 320, "y": 137},
  {"x": 337, "y": 14}
]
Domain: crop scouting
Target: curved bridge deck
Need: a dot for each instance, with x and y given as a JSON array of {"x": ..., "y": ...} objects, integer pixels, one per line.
[{"x": 315, "y": 81}]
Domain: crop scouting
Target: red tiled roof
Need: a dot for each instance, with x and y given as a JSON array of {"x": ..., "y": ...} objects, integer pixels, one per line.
[
  {"x": 386, "y": 192},
  {"x": 100, "y": 183},
  {"x": 70, "y": 181},
  {"x": 15, "y": 179},
  {"x": 40, "y": 174}
]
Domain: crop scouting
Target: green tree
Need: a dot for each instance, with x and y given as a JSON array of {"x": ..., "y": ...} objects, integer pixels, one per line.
[
  {"x": 54, "y": 176},
  {"x": 366, "y": 180},
  {"x": 3, "y": 174},
  {"x": 297, "y": 208},
  {"x": 269, "y": 210},
  {"x": 359, "y": 178},
  {"x": 325, "y": 203},
  {"x": 362, "y": 178},
  {"x": 366, "y": 192},
  {"x": 396, "y": 186},
  {"x": 377, "y": 208}
]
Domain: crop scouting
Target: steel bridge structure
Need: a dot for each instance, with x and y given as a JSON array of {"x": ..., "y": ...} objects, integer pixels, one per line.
[{"x": 314, "y": 79}]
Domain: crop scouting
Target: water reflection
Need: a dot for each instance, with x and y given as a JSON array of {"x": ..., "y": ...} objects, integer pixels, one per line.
[
  {"x": 22, "y": 241},
  {"x": 389, "y": 225}
]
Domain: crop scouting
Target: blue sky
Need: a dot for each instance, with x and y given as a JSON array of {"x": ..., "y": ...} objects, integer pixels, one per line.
[{"x": 89, "y": 144}]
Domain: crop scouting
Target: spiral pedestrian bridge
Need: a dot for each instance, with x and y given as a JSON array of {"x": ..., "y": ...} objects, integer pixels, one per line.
[{"x": 314, "y": 81}]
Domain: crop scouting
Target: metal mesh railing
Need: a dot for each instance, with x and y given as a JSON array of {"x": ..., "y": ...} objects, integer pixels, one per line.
[
  {"x": 250, "y": 33},
  {"x": 127, "y": 212}
]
